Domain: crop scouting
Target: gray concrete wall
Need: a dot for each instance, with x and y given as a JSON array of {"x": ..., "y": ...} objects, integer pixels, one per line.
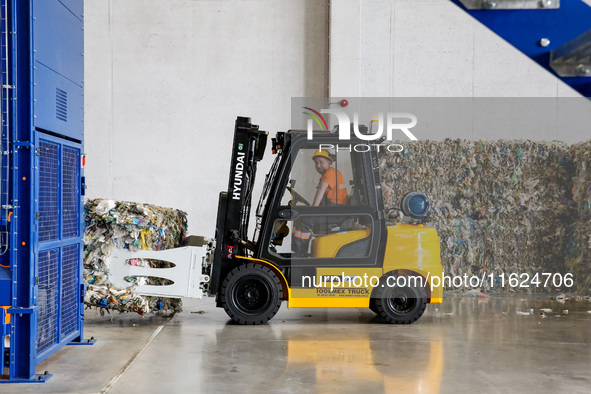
[{"x": 165, "y": 80}]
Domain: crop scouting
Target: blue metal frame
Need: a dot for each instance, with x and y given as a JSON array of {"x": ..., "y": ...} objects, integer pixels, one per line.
[
  {"x": 45, "y": 68},
  {"x": 525, "y": 28},
  {"x": 61, "y": 242}
]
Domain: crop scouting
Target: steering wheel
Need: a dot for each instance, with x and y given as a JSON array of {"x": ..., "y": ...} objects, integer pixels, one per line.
[{"x": 298, "y": 197}]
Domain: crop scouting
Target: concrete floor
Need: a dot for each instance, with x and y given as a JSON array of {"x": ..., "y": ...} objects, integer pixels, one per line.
[{"x": 463, "y": 345}]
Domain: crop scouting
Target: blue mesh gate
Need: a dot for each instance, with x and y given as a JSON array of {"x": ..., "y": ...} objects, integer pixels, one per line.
[{"x": 59, "y": 293}]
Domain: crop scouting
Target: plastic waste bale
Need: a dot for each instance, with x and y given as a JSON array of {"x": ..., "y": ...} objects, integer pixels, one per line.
[
  {"x": 578, "y": 233},
  {"x": 119, "y": 224},
  {"x": 499, "y": 206}
]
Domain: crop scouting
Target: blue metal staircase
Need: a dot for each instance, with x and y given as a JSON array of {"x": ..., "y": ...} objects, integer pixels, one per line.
[{"x": 556, "y": 34}]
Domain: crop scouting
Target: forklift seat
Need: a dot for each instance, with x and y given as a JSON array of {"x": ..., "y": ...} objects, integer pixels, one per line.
[
  {"x": 353, "y": 243},
  {"x": 325, "y": 229}
]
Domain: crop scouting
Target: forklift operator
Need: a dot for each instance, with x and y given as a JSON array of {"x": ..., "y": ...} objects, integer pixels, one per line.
[{"x": 331, "y": 190}]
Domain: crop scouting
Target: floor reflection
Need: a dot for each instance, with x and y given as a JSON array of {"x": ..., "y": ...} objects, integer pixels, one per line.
[
  {"x": 375, "y": 365},
  {"x": 322, "y": 360}
]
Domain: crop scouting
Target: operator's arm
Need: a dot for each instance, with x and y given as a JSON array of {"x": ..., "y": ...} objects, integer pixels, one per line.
[{"x": 319, "y": 193}]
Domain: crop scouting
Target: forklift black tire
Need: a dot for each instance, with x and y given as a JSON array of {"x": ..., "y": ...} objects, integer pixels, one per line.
[
  {"x": 372, "y": 305},
  {"x": 400, "y": 304},
  {"x": 251, "y": 294}
]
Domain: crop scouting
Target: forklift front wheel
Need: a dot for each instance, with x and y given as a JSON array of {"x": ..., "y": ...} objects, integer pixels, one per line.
[
  {"x": 400, "y": 304},
  {"x": 372, "y": 305},
  {"x": 251, "y": 294}
]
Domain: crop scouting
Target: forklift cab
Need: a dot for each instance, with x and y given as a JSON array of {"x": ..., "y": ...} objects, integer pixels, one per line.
[
  {"x": 347, "y": 234},
  {"x": 328, "y": 231}
]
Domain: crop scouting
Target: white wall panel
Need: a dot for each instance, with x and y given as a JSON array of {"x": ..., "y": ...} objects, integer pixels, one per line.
[
  {"x": 433, "y": 50},
  {"x": 377, "y": 40}
]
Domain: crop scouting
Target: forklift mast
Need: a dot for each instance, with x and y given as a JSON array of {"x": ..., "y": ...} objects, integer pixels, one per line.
[{"x": 234, "y": 205}]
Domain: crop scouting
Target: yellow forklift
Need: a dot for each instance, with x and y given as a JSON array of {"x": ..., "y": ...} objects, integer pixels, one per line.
[
  {"x": 356, "y": 259},
  {"x": 353, "y": 258}
]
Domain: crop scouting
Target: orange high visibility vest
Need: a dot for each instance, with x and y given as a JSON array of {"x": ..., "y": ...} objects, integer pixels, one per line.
[{"x": 337, "y": 190}]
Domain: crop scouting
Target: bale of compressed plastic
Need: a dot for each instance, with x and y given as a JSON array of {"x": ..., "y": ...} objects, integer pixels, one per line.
[
  {"x": 119, "y": 224},
  {"x": 499, "y": 206},
  {"x": 578, "y": 234},
  {"x": 581, "y": 155}
]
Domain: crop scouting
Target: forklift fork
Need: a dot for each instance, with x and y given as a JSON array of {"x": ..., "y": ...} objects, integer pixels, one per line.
[{"x": 189, "y": 274}]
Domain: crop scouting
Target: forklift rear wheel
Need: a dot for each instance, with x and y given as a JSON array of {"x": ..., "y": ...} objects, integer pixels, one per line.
[
  {"x": 372, "y": 305},
  {"x": 400, "y": 304},
  {"x": 251, "y": 294}
]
